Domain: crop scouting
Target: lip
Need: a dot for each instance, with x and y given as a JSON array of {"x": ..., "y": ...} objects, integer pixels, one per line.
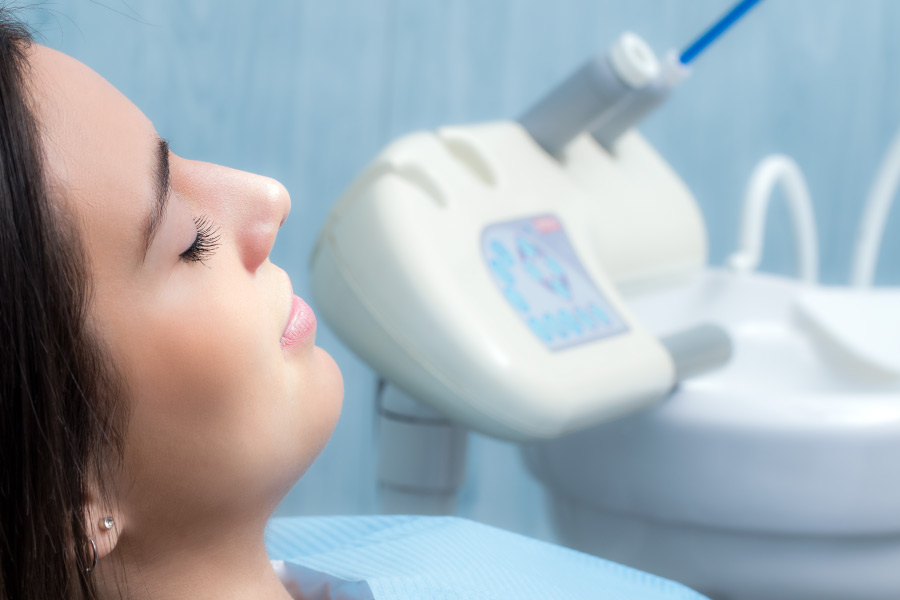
[{"x": 301, "y": 325}]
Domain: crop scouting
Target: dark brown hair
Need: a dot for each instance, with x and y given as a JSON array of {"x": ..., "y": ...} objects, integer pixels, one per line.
[{"x": 58, "y": 392}]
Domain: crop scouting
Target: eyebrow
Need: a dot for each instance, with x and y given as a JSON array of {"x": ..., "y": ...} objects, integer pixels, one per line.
[{"x": 161, "y": 197}]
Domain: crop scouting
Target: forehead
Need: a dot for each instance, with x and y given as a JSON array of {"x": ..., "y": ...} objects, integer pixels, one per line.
[{"x": 98, "y": 148}]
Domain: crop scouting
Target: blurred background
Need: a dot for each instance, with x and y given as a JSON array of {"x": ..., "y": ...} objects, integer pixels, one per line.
[{"x": 308, "y": 91}]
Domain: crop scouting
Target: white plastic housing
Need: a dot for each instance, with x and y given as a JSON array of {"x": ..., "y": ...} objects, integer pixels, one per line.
[
  {"x": 398, "y": 274},
  {"x": 648, "y": 230}
]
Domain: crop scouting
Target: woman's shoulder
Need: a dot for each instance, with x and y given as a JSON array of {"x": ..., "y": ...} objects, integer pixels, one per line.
[{"x": 449, "y": 557}]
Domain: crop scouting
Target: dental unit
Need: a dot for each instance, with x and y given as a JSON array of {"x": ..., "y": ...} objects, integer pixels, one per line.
[{"x": 545, "y": 281}]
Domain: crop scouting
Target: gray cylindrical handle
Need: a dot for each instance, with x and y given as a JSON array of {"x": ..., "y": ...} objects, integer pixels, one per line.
[
  {"x": 572, "y": 105},
  {"x": 698, "y": 350},
  {"x": 590, "y": 91},
  {"x": 626, "y": 114},
  {"x": 631, "y": 110}
]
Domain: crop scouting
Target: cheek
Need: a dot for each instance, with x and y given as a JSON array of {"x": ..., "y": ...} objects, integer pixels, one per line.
[
  {"x": 208, "y": 389},
  {"x": 219, "y": 413},
  {"x": 194, "y": 351}
]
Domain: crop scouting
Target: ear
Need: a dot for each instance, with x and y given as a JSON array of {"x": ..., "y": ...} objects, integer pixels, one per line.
[{"x": 95, "y": 517}]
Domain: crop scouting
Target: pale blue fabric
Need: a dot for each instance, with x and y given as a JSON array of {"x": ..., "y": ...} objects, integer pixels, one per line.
[{"x": 445, "y": 558}]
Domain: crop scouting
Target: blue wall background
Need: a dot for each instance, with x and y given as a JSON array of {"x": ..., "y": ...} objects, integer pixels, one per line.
[{"x": 307, "y": 91}]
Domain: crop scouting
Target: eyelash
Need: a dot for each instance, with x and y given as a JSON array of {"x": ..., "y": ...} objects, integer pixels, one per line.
[{"x": 205, "y": 243}]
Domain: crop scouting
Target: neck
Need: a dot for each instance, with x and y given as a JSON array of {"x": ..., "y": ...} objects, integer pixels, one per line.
[{"x": 230, "y": 565}]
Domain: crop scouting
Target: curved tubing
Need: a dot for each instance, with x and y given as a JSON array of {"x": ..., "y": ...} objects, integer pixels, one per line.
[
  {"x": 874, "y": 217},
  {"x": 774, "y": 169}
]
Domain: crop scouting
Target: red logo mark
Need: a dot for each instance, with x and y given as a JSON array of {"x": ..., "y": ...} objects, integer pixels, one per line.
[{"x": 546, "y": 224}]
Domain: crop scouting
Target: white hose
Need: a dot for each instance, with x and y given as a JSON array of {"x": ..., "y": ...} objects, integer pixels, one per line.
[
  {"x": 774, "y": 169},
  {"x": 874, "y": 217}
]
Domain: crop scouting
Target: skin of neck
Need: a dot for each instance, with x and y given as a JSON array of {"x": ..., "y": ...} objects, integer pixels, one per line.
[{"x": 230, "y": 563}]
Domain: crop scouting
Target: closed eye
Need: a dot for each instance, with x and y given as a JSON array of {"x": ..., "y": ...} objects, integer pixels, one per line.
[{"x": 206, "y": 242}]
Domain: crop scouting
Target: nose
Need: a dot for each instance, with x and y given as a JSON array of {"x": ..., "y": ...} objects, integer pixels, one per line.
[
  {"x": 261, "y": 212},
  {"x": 250, "y": 207}
]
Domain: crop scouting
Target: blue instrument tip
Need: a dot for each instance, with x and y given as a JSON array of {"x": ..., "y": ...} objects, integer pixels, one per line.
[{"x": 716, "y": 30}]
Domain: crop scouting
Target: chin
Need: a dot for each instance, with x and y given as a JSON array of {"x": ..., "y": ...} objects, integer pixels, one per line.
[
  {"x": 322, "y": 398},
  {"x": 332, "y": 392}
]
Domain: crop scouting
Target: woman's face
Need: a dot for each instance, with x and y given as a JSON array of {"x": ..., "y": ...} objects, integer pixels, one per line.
[{"x": 225, "y": 413}]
